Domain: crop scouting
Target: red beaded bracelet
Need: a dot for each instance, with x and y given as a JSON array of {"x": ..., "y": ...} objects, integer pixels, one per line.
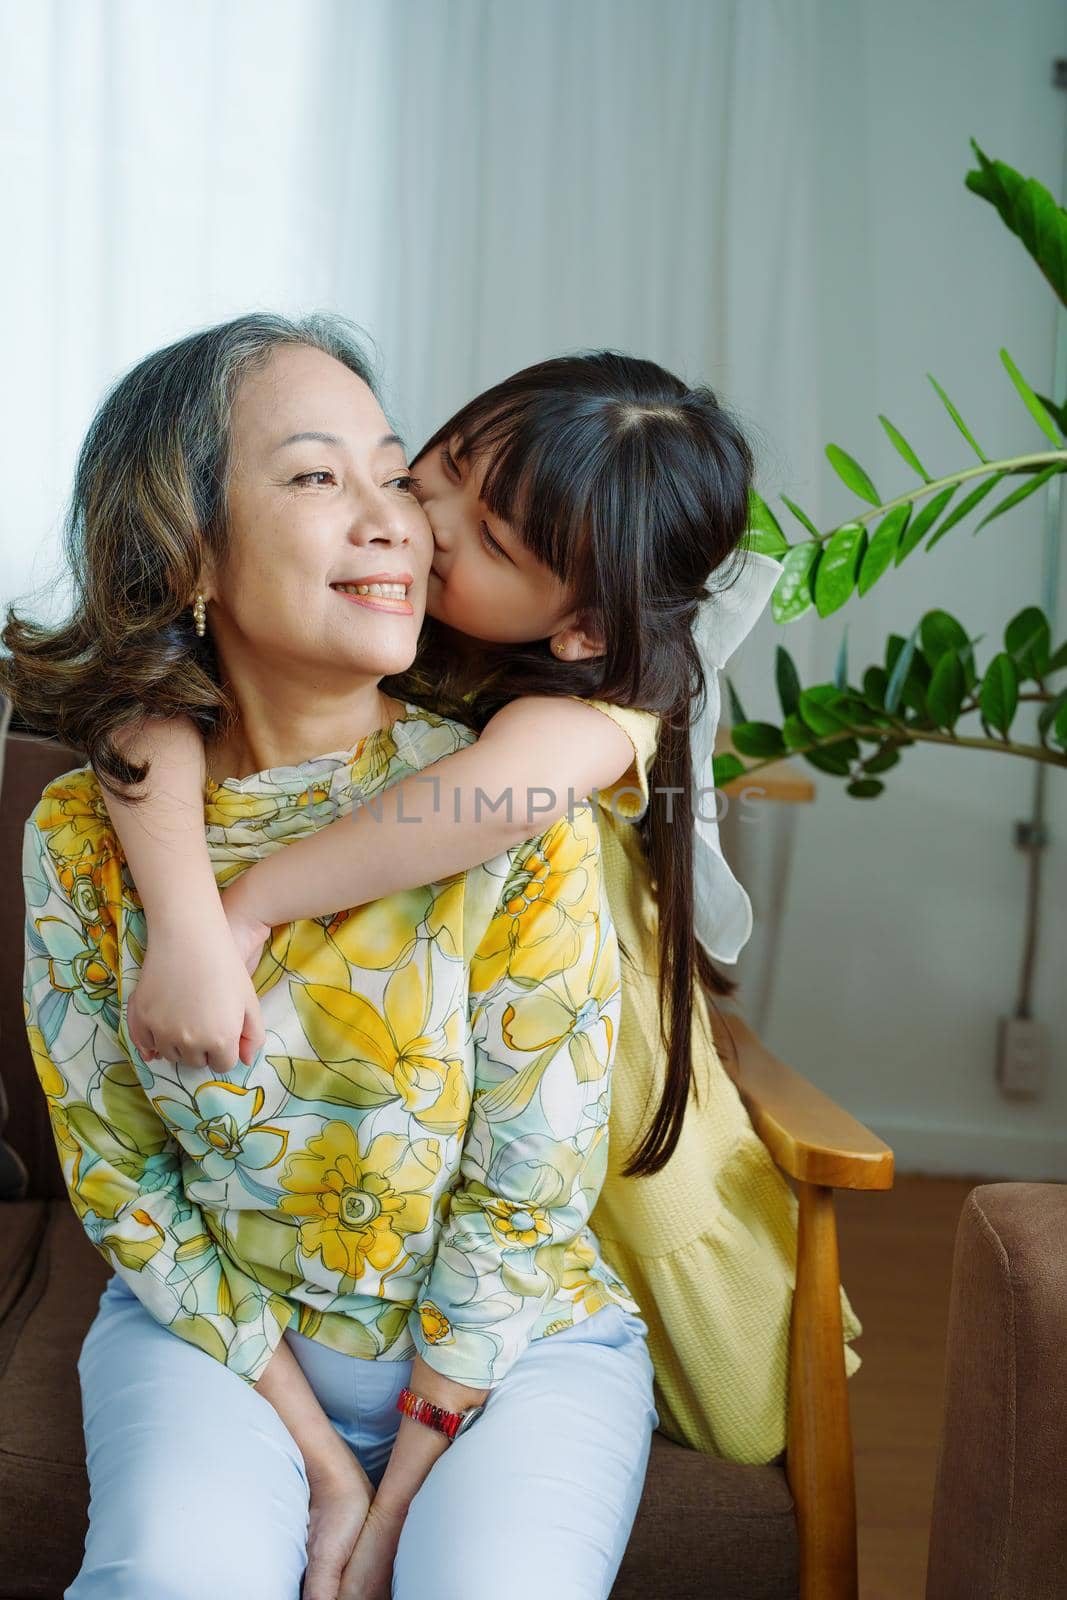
[{"x": 450, "y": 1423}]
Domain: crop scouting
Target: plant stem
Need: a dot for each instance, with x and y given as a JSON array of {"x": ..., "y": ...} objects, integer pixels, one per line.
[
  {"x": 1031, "y": 752},
  {"x": 1040, "y": 458}
]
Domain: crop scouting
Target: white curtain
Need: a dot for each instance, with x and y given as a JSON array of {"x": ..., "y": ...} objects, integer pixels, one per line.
[{"x": 479, "y": 183}]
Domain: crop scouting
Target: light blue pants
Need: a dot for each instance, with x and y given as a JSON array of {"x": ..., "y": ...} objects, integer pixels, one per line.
[{"x": 198, "y": 1490}]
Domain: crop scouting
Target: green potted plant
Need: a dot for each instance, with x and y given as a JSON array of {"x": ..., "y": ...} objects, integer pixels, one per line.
[{"x": 929, "y": 687}]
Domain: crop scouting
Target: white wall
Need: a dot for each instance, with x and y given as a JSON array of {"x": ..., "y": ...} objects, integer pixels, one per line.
[{"x": 903, "y": 933}]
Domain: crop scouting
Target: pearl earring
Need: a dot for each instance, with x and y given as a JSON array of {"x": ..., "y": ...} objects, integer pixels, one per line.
[{"x": 199, "y": 616}]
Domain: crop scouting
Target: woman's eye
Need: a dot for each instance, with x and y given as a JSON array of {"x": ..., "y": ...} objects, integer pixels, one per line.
[
  {"x": 406, "y": 482},
  {"x": 490, "y": 543},
  {"x": 314, "y": 479}
]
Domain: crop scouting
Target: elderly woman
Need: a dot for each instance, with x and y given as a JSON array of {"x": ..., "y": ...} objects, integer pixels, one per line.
[{"x": 354, "y": 1288}]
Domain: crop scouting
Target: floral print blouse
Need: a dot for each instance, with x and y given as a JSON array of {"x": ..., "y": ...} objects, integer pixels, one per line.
[{"x": 410, "y": 1163}]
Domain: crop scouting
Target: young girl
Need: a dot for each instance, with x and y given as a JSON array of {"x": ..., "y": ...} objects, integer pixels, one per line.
[{"x": 579, "y": 510}]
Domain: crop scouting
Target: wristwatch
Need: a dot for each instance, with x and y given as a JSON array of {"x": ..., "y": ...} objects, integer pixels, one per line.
[{"x": 450, "y": 1423}]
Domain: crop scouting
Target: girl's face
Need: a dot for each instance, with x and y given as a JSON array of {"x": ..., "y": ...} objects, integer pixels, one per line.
[
  {"x": 483, "y": 582},
  {"x": 320, "y": 500}
]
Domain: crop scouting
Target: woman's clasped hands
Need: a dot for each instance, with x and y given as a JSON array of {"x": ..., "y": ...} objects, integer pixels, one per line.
[{"x": 352, "y": 1538}]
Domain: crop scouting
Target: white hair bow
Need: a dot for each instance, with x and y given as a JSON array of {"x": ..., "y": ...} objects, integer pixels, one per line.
[{"x": 723, "y": 911}]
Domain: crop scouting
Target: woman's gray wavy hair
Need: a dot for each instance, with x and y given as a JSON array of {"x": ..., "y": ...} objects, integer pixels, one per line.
[{"x": 149, "y": 501}]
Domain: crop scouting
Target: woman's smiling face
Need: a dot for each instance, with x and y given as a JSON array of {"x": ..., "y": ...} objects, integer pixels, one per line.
[
  {"x": 483, "y": 583},
  {"x": 320, "y": 500}
]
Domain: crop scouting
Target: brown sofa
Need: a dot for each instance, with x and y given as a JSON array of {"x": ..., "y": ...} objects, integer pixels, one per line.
[
  {"x": 705, "y": 1527},
  {"x": 999, "y": 1529}
]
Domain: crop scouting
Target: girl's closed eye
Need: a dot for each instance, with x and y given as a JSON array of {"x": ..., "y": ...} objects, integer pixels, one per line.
[{"x": 490, "y": 545}]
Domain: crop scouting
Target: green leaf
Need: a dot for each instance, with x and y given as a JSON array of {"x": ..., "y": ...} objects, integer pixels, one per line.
[
  {"x": 841, "y": 667},
  {"x": 1059, "y": 726},
  {"x": 923, "y": 521},
  {"x": 1032, "y": 403},
  {"x": 965, "y": 507},
  {"x": 787, "y": 679},
  {"x": 761, "y": 739},
  {"x": 913, "y": 695},
  {"x": 1049, "y": 713},
  {"x": 874, "y": 685},
  {"x": 737, "y": 710},
  {"x": 957, "y": 419},
  {"x": 1028, "y": 640},
  {"x": 948, "y": 685},
  {"x": 1029, "y": 487},
  {"x": 836, "y": 577},
  {"x": 793, "y": 593},
  {"x": 764, "y": 534},
  {"x": 795, "y": 732},
  {"x": 883, "y": 547},
  {"x": 864, "y": 788},
  {"x": 1029, "y": 210},
  {"x": 941, "y": 634},
  {"x": 901, "y": 667},
  {"x": 883, "y": 759},
  {"x": 852, "y": 474},
  {"x": 837, "y": 760},
  {"x": 725, "y": 768},
  {"x": 765, "y": 544},
  {"x": 849, "y": 706},
  {"x": 761, "y": 516},
  {"x": 819, "y": 707},
  {"x": 970, "y": 671},
  {"x": 1058, "y": 413},
  {"x": 1000, "y": 693},
  {"x": 1059, "y": 658},
  {"x": 801, "y": 516},
  {"x": 903, "y": 448}
]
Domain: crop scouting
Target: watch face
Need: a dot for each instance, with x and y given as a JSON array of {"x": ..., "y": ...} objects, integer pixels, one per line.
[{"x": 469, "y": 1418}]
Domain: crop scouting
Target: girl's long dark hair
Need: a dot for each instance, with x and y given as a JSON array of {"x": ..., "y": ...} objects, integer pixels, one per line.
[{"x": 633, "y": 489}]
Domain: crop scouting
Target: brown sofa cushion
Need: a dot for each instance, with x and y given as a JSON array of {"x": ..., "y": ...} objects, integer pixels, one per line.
[
  {"x": 30, "y": 765},
  {"x": 22, "y": 1229},
  {"x": 14, "y": 1178},
  {"x": 709, "y": 1528},
  {"x": 44, "y": 1493},
  {"x": 1000, "y": 1513}
]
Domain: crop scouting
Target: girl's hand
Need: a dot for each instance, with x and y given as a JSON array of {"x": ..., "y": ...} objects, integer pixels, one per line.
[
  {"x": 248, "y": 931},
  {"x": 194, "y": 1003},
  {"x": 369, "y": 1573},
  {"x": 340, "y": 1501}
]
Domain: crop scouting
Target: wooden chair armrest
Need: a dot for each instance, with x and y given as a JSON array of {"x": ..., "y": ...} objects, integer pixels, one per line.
[
  {"x": 821, "y": 1148},
  {"x": 809, "y": 1137}
]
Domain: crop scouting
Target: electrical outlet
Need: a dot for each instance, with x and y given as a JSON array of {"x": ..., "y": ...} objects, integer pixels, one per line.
[{"x": 1022, "y": 1055}]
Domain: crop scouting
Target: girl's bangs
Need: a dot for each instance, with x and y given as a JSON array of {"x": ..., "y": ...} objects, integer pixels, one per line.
[{"x": 527, "y": 482}]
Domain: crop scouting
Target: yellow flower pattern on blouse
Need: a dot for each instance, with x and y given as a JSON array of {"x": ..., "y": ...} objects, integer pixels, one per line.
[{"x": 410, "y": 1163}]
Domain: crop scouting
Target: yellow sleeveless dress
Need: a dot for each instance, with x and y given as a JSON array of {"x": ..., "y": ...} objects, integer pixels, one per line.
[{"x": 708, "y": 1245}]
